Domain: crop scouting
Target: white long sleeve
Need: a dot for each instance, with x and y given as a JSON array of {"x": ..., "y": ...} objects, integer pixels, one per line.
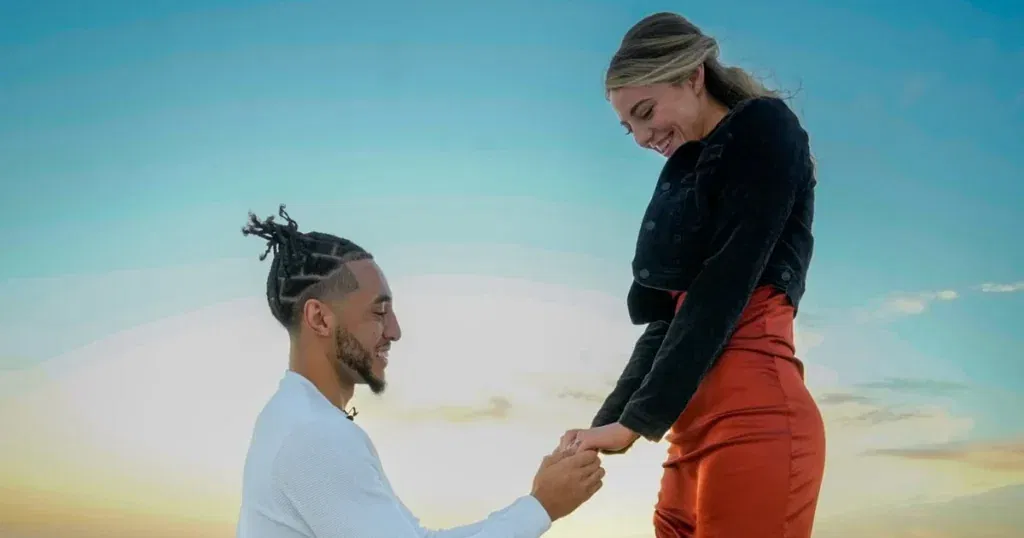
[
  {"x": 312, "y": 473},
  {"x": 339, "y": 490}
]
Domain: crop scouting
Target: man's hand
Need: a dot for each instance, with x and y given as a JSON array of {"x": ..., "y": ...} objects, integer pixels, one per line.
[
  {"x": 613, "y": 438},
  {"x": 566, "y": 480}
]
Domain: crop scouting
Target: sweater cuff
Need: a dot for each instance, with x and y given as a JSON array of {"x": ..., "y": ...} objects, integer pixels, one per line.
[
  {"x": 532, "y": 520},
  {"x": 648, "y": 427},
  {"x": 603, "y": 419}
]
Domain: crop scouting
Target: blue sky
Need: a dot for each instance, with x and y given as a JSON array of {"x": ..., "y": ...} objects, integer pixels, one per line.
[
  {"x": 463, "y": 142},
  {"x": 135, "y": 136}
]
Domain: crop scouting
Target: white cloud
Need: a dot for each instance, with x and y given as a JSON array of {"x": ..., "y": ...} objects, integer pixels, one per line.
[
  {"x": 908, "y": 304},
  {"x": 898, "y": 305},
  {"x": 993, "y": 514},
  {"x": 991, "y": 287},
  {"x": 858, "y": 426},
  {"x": 807, "y": 339},
  {"x": 482, "y": 361},
  {"x": 174, "y": 400}
]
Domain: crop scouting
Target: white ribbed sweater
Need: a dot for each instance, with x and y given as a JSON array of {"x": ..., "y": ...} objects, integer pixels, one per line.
[{"x": 313, "y": 473}]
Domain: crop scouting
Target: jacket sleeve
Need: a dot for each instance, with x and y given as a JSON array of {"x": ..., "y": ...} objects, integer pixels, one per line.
[
  {"x": 632, "y": 375},
  {"x": 761, "y": 170}
]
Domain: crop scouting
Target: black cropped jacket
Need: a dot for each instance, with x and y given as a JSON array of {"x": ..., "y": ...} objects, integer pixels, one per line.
[{"x": 729, "y": 213}]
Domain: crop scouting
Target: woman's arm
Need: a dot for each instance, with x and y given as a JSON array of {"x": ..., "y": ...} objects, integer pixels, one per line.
[
  {"x": 633, "y": 374},
  {"x": 762, "y": 170}
]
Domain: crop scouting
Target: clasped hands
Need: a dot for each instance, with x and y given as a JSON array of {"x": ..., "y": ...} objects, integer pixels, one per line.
[
  {"x": 572, "y": 473},
  {"x": 611, "y": 438}
]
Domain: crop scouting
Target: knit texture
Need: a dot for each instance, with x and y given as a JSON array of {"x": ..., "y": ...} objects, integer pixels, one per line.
[{"x": 313, "y": 473}]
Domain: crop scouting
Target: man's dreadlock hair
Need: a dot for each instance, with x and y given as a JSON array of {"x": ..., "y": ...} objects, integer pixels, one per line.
[{"x": 305, "y": 266}]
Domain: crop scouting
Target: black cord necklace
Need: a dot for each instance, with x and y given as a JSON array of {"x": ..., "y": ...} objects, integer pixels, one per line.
[{"x": 351, "y": 415}]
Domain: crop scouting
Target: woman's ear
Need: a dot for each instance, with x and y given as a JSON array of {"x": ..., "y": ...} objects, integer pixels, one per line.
[{"x": 696, "y": 80}]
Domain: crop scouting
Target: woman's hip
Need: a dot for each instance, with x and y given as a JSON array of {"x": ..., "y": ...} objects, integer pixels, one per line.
[{"x": 747, "y": 395}]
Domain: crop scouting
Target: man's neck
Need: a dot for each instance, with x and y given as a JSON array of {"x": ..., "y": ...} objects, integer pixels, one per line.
[{"x": 322, "y": 376}]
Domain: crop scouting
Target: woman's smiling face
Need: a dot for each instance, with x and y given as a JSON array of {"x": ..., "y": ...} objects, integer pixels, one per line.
[{"x": 662, "y": 117}]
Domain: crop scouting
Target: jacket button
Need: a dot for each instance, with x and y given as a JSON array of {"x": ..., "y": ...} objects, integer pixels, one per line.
[
  {"x": 786, "y": 276},
  {"x": 677, "y": 238},
  {"x": 643, "y": 273},
  {"x": 649, "y": 225},
  {"x": 665, "y": 186}
]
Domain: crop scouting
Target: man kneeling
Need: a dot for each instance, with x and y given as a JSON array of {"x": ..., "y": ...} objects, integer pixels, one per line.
[{"x": 310, "y": 470}]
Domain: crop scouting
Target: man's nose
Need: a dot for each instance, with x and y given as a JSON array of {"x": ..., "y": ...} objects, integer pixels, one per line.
[{"x": 393, "y": 331}]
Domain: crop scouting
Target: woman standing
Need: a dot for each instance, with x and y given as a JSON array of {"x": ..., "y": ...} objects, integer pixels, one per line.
[{"x": 719, "y": 271}]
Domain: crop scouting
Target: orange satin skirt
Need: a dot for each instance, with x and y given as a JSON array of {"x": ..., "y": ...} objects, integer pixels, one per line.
[{"x": 747, "y": 455}]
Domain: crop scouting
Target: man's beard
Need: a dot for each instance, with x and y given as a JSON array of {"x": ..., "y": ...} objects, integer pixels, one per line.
[{"x": 358, "y": 359}]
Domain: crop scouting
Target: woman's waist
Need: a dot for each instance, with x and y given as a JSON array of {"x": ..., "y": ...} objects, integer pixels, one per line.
[
  {"x": 783, "y": 273},
  {"x": 766, "y": 324}
]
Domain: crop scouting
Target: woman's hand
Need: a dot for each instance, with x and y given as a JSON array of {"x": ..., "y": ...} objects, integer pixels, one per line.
[
  {"x": 568, "y": 441},
  {"x": 613, "y": 438}
]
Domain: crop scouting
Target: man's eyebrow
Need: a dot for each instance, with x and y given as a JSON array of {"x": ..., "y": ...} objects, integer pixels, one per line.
[{"x": 382, "y": 298}]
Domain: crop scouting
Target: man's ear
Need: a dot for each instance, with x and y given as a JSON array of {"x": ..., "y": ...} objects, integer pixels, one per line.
[{"x": 318, "y": 317}]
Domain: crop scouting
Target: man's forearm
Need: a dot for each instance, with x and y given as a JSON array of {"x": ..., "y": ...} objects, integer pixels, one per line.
[{"x": 524, "y": 518}]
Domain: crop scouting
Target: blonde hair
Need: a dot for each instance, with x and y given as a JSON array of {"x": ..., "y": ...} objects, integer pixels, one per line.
[{"x": 667, "y": 48}]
